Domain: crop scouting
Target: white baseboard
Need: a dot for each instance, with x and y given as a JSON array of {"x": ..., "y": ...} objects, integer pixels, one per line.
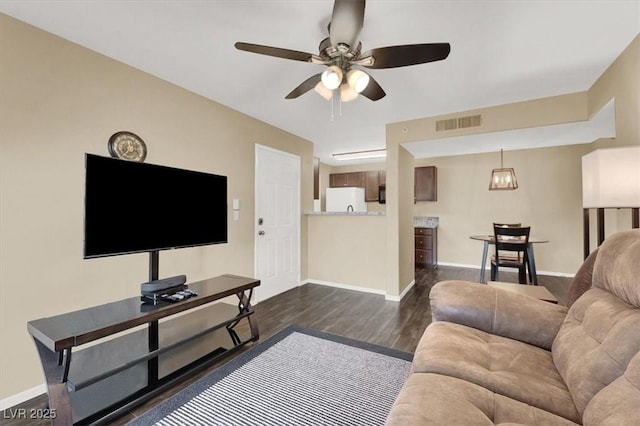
[
  {"x": 404, "y": 292},
  {"x": 551, "y": 273},
  {"x": 21, "y": 397},
  {"x": 556, "y": 274},
  {"x": 344, "y": 286},
  {"x": 458, "y": 265},
  {"x": 363, "y": 289}
]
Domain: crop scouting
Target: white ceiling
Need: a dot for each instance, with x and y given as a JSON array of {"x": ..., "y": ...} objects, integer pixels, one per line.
[{"x": 501, "y": 51}]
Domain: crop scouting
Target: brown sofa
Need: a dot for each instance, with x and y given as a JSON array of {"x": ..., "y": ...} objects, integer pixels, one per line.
[{"x": 491, "y": 357}]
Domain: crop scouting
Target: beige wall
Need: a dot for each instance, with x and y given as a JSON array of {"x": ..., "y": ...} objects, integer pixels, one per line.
[
  {"x": 622, "y": 82},
  {"x": 348, "y": 250},
  {"x": 518, "y": 115},
  {"x": 549, "y": 199},
  {"x": 550, "y": 193},
  {"x": 406, "y": 231},
  {"x": 399, "y": 210},
  {"x": 60, "y": 101}
]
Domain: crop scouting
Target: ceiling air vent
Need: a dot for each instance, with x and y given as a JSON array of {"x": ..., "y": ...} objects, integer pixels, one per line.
[
  {"x": 459, "y": 123},
  {"x": 448, "y": 124},
  {"x": 469, "y": 121}
]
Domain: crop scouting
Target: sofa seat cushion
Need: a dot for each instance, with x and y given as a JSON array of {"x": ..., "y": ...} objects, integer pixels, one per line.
[
  {"x": 434, "y": 399},
  {"x": 618, "y": 403},
  {"x": 505, "y": 366}
]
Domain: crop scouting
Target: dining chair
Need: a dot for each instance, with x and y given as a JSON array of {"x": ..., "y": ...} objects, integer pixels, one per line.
[
  {"x": 510, "y": 250},
  {"x": 508, "y": 225}
]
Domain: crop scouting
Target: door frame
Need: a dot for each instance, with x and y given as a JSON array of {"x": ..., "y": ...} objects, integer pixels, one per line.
[{"x": 296, "y": 212}]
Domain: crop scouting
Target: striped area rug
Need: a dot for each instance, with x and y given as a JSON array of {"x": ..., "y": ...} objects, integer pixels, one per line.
[{"x": 296, "y": 377}]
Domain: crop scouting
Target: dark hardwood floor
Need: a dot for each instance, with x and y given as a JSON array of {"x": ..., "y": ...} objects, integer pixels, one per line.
[{"x": 358, "y": 315}]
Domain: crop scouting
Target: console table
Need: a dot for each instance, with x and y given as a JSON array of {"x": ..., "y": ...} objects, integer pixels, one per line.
[{"x": 132, "y": 350}]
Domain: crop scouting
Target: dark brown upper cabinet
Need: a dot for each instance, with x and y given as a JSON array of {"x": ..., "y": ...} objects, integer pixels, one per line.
[
  {"x": 337, "y": 180},
  {"x": 370, "y": 180},
  {"x": 371, "y": 185},
  {"x": 316, "y": 178},
  {"x": 426, "y": 183}
]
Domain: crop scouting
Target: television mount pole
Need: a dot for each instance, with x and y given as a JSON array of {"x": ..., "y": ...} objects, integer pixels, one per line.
[{"x": 154, "y": 341}]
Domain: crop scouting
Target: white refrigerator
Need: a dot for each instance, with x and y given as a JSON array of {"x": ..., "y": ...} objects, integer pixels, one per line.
[{"x": 349, "y": 199}]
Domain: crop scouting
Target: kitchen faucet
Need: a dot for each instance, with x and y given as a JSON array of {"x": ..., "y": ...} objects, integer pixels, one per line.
[{"x": 349, "y": 207}]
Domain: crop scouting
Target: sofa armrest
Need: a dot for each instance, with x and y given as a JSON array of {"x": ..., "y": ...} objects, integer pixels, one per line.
[{"x": 497, "y": 311}]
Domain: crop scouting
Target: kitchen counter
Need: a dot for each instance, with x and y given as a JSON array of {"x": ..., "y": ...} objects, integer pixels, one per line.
[
  {"x": 372, "y": 213},
  {"x": 348, "y": 250},
  {"x": 425, "y": 222}
]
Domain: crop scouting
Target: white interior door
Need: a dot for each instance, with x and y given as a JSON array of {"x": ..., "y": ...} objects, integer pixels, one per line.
[{"x": 277, "y": 221}]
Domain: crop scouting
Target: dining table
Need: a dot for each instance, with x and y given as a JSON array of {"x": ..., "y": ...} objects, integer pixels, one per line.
[{"x": 531, "y": 260}]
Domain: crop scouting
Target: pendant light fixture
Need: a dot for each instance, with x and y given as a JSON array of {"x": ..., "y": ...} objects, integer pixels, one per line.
[{"x": 503, "y": 179}]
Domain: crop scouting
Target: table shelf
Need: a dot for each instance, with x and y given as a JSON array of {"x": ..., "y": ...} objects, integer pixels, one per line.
[{"x": 108, "y": 373}]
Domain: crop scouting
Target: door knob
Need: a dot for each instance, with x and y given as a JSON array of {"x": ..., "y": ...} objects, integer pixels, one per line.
[{"x": 260, "y": 232}]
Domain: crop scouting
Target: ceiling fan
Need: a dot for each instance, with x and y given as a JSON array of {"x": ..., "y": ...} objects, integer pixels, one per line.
[{"x": 342, "y": 56}]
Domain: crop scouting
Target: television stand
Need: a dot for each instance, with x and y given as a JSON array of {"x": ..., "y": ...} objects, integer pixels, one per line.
[{"x": 158, "y": 348}]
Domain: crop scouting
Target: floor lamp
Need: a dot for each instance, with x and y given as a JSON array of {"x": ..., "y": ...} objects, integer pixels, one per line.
[{"x": 610, "y": 179}]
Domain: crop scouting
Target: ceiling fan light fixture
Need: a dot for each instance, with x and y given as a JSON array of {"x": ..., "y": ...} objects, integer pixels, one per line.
[
  {"x": 332, "y": 77},
  {"x": 347, "y": 93},
  {"x": 341, "y": 52},
  {"x": 358, "y": 80},
  {"x": 323, "y": 91}
]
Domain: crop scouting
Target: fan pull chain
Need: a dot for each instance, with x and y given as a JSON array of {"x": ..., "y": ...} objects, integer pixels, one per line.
[
  {"x": 332, "y": 102},
  {"x": 335, "y": 99}
]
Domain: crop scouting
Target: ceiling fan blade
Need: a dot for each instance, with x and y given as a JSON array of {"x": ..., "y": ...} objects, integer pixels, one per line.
[
  {"x": 373, "y": 90},
  {"x": 275, "y": 51},
  {"x": 346, "y": 22},
  {"x": 304, "y": 87},
  {"x": 409, "y": 54}
]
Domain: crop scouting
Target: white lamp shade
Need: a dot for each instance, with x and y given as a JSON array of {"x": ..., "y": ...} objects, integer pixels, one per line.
[
  {"x": 347, "y": 93},
  {"x": 611, "y": 178},
  {"x": 358, "y": 80},
  {"x": 323, "y": 91},
  {"x": 331, "y": 77}
]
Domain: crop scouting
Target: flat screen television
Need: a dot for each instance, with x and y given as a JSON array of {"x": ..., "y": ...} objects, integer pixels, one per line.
[{"x": 133, "y": 207}]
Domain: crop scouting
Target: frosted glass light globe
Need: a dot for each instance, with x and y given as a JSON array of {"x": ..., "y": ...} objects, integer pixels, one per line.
[
  {"x": 358, "y": 80},
  {"x": 332, "y": 77}
]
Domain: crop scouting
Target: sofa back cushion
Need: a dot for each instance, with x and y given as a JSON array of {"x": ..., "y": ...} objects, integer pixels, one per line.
[
  {"x": 617, "y": 266},
  {"x": 582, "y": 281},
  {"x": 601, "y": 332}
]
